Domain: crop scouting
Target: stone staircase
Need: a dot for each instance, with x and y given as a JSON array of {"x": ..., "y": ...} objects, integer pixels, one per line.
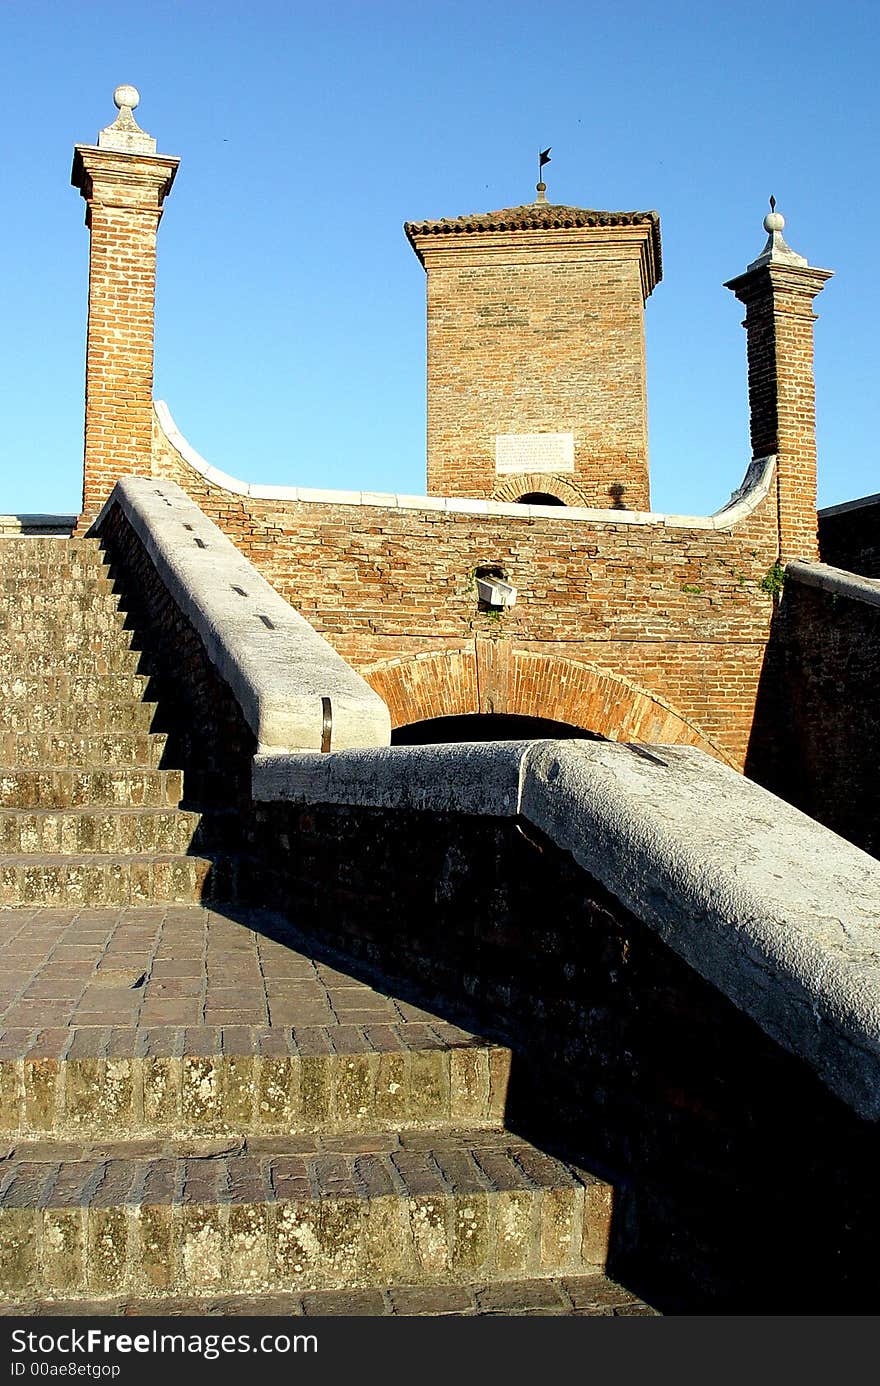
[
  {"x": 193, "y": 1103},
  {"x": 90, "y": 811}
]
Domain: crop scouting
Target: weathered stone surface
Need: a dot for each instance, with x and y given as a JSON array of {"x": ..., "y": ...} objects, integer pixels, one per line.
[
  {"x": 250, "y": 633},
  {"x": 215, "y": 1214}
]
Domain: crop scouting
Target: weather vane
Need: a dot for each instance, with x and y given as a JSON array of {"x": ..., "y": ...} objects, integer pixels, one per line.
[{"x": 543, "y": 158}]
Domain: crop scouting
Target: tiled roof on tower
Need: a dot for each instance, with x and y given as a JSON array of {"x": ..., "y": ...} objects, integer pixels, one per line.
[{"x": 536, "y": 216}]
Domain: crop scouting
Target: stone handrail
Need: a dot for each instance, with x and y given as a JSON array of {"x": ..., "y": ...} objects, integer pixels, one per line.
[
  {"x": 837, "y": 581},
  {"x": 778, "y": 913},
  {"x": 295, "y": 691}
]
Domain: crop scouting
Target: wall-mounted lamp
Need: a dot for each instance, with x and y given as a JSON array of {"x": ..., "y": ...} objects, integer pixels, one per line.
[{"x": 495, "y": 593}]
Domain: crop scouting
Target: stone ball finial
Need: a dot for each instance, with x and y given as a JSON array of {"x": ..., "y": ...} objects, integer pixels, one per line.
[
  {"x": 773, "y": 221},
  {"x": 126, "y": 96}
]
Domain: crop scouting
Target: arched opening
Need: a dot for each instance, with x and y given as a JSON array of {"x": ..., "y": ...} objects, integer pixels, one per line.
[
  {"x": 539, "y": 498},
  {"x": 497, "y": 726},
  {"x": 548, "y": 690},
  {"x": 539, "y": 488}
]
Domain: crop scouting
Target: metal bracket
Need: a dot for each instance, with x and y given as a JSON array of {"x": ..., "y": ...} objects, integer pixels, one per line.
[{"x": 326, "y": 724}]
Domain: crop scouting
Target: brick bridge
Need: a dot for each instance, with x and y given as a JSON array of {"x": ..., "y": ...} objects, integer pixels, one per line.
[{"x": 298, "y": 1021}]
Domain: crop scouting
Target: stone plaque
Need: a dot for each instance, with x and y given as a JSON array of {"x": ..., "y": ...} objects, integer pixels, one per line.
[{"x": 534, "y": 452}]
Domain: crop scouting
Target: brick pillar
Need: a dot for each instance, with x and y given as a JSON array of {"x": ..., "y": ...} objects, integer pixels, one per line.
[
  {"x": 778, "y": 291},
  {"x": 124, "y": 182}
]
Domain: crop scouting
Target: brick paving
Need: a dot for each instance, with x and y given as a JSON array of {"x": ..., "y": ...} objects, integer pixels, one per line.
[
  {"x": 181, "y": 967},
  {"x": 593, "y": 1295}
]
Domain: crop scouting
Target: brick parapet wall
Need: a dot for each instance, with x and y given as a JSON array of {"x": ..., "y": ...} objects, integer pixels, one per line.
[
  {"x": 678, "y": 612},
  {"x": 818, "y": 738},
  {"x": 715, "y": 1139}
]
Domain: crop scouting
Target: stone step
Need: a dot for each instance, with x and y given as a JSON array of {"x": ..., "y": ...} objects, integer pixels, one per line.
[
  {"x": 61, "y": 597},
  {"x": 24, "y": 686},
  {"x": 50, "y": 548},
  {"x": 31, "y": 717},
  {"x": 120, "y": 1081},
  {"x": 106, "y": 831},
  {"x": 572, "y": 1295},
  {"x": 45, "y": 749},
  {"x": 37, "y": 574},
  {"x": 96, "y": 879},
  {"x": 94, "y": 655},
  {"x": 46, "y": 582},
  {"x": 165, "y": 1020},
  {"x": 589, "y": 1295},
  {"x": 69, "y": 621},
  {"x": 290, "y": 1214},
  {"x": 109, "y": 786}
]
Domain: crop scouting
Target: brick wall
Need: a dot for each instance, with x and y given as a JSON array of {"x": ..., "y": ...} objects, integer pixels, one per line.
[
  {"x": 676, "y": 613},
  {"x": 817, "y": 739},
  {"x": 537, "y": 332}
]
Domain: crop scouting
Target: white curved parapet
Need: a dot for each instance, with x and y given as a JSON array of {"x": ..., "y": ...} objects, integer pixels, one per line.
[
  {"x": 295, "y": 690},
  {"x": 742, "y": 503},
  {"x": 778, "y": 913}
]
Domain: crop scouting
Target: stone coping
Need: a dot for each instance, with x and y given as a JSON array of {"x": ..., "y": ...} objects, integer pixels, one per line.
[
  {"x": 742, "y": 503},
  {"x": 837, "y": 581},
  {"x": 845, "y": 507},
  {"x": 778, "y": 913},
  {"x": 278, "y": 667},
  {"x": 12, "y": 526}
]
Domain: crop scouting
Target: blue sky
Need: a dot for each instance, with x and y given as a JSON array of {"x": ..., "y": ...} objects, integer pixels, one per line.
[{"x": 290, "y": 309}]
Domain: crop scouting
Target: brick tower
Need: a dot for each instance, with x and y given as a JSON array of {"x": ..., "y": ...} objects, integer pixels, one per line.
[
  {"x": 778, "y": 289},
  {"x": 536, "y": 352},
  {"x": 124, "y": 182}
]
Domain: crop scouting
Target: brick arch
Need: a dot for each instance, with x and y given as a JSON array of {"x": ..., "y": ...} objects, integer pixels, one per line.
[
  {"x": 490, "y": 677},
  {"x": 516, "y": 486},
  {"x": 441, "y": 684}
]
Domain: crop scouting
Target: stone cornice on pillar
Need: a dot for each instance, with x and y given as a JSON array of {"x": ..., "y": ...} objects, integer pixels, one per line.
[
  {"x": 116, "y": 178},
  {"x": 799, "y": 281}
]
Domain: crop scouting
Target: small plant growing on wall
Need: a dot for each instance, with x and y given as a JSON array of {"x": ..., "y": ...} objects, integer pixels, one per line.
[{"x": 773, "y": 580}]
